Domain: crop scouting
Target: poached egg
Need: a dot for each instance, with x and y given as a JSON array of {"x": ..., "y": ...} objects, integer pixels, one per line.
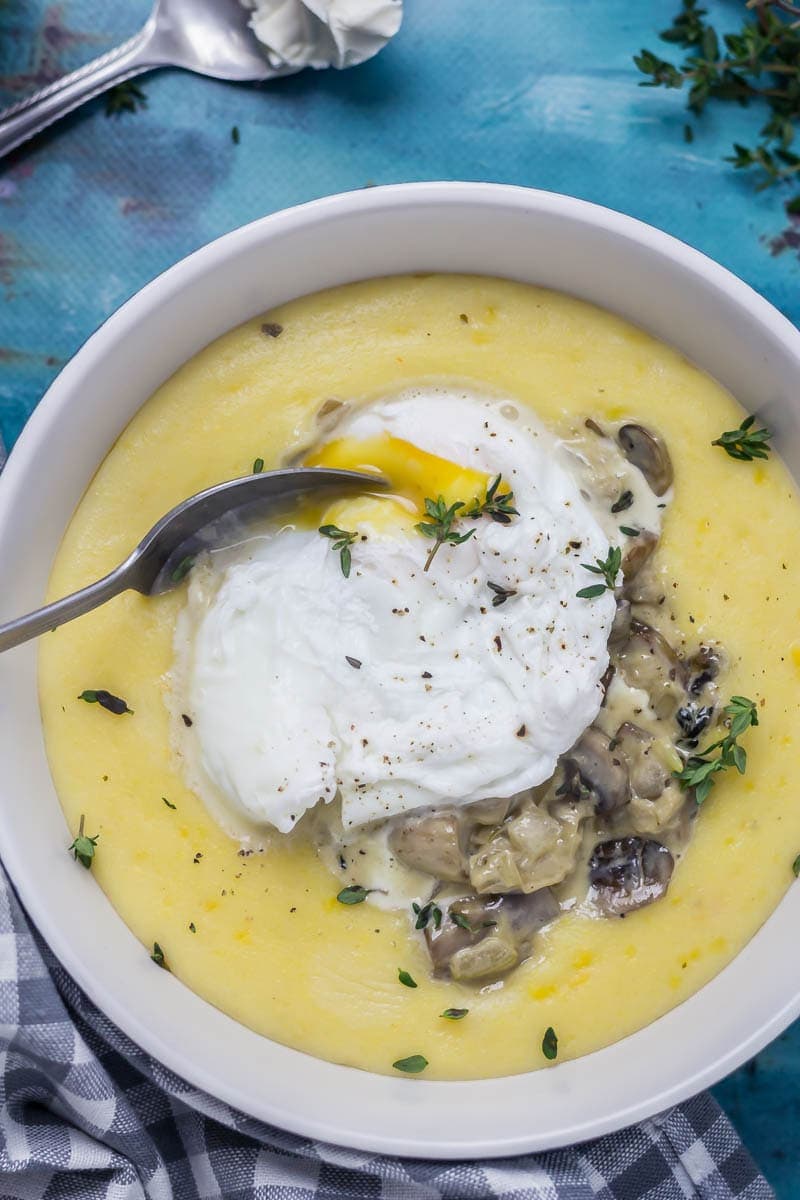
[{"x": 397, "y": 687}]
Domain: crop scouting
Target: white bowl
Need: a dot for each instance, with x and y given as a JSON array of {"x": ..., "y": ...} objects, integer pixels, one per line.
[{"x": 646, "y": 276}]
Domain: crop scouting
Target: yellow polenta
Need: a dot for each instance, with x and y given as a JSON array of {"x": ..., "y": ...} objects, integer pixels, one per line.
[{"x": 262, "y": 936}]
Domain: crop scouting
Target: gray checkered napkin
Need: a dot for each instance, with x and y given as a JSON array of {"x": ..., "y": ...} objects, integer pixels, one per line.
[{"x": 86, "y": 1115}]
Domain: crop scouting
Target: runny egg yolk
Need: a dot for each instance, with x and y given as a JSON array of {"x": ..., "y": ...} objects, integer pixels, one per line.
[{"x": 414, "y": 476}]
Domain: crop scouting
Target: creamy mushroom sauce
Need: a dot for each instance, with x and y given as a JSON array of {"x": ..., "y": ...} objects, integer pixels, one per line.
[{"x": 606, "y": 831}]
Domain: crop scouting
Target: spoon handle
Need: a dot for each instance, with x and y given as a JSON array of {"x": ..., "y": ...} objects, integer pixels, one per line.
[
  {"x": 43, "y": 620},
  {"x": 34, "y": 113}
]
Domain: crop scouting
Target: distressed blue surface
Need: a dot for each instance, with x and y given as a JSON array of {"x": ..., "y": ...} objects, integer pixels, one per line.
[{"x": 536, "y": 92}]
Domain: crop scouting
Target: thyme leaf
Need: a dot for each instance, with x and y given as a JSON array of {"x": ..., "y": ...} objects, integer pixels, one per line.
[
  {"x": 411, "y": 1065},
  {"x": 550, "y": 1044},
  {"x": 406, "y": 979},
  {"x": 354, "y": 893},
  {"x": 111, "y": 703}
]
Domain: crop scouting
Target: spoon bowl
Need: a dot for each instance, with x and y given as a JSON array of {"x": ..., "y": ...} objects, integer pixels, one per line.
[{"x": 165, "y": 555}]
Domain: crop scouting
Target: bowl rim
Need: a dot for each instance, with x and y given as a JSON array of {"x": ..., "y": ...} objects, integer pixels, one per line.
[{"x": 60, "y": 395}]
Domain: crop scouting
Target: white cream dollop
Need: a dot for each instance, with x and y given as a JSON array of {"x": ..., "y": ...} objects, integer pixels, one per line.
[
  {"x": 400, "y": 688},
  {"x": 323, "y": 33}
]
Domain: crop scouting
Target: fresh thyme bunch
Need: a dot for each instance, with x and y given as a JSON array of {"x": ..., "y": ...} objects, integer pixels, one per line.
[{"x": 759, "y": 61}]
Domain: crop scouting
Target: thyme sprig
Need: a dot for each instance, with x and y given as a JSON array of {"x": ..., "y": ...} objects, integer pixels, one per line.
[
  {"x": 83, "y": 847},
  {"x": 497, "y": 505},
  {"x": 124, "y": 97},
  {"x": 761, "y": 60},
  {"x": 342, "y": 541},
  {"x": 440, "y": 526},
  {"x": 608, "y": 567},
  {"x": 700, "y": 769},
  {"x": 745, "y": 443},
  {"x": 499, "y": 508}
]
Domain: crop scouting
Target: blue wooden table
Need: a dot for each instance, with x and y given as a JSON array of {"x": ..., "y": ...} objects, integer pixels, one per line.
[{"x": 537, "y": 92}]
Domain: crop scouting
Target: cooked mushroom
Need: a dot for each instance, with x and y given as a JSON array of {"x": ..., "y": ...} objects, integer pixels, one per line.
[
  {"x": 431, "y": 844},
  {"x": 638, "y": 552},
  {"x": 648, "y": 776},
  {"x": 649, "y": 662},
  {"x": 492, "y": 933},
  {"x": 330, "y": 413},
  {"x": 601, "y": 770},
  {"x": 693, "y": 719},
  {"x": 705, "y": 665},
  {"x": 627, "y": 873},
  {"x": 645, "y": 450},
  {"x": 621, "y": 628}
]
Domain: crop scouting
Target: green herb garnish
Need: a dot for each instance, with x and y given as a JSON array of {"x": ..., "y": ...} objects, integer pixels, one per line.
[
  {"x": 83, "y": 847},
  {"x": 183, "y": 568},
  {"x": 235, "y": 135},
  {"x": 124, "y": 97},
  {"x": 499, "y": 508},
  {"x": 411, "y": 1065},
  {"x": 461, "y": 921},
  {"x": 406, "y": 979},
  {"x": 625, "y": 501},
  {"x": 428, "y": 912},
  {"x": 454, "y": 1014},
  {"x": 440, "y": 526},
  {"x": 796, "y": 866},
  {"x": 501, "y": 594},
  {"x": 354, "y": 893},
  {"x": 111, "y": 703},
  {"x": 168, "y": 803},
  {"x": 700, "y": 769},
  {"x": 629, "y": 531},
  {"x": 757, "y": 62},
  {"x": 550, "y": 1044},
  {"x": 607, "y": 567},
  {"x": 745, "y": 443},
  {"x": 192, "y": 927},
  {"x": 258, "y": 466},
  {"x": 342, "y": 541},
  {"x": 158, "y": 957}
]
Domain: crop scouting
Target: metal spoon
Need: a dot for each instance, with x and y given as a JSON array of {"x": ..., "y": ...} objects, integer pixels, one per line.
[
  {"x": 211, "y": 37},
  {"x": 164, "y": 556}
]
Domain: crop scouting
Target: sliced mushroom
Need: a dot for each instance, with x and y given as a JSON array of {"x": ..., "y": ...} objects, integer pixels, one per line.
[
  {"x": 648, "y": 776},
  {"x": 693, "y": 719},
  {"x": 645, "y": 450},
  {"x": 638, "y": 553},
  {"x": 431, "y": 844},
  {"x": 601, "y": 770},
  {"x": 705, "y": 665},
  {"x": 649, "y": 662},
  {"x": 492, "y": 935},
  {"x": 330, "y": 413},
  {"x": 621, "y": 628},
  {"x": 628, "y": 873}
]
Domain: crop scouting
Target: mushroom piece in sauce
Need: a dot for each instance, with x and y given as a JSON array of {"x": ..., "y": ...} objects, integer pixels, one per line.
[
  {"x": 431, "y": 844},
  {"x": 645, "y": 450},
  {"x": 627, "y": 873},
  {"x": 492, "y": 934},
  {"x": 601, "y": 770}
]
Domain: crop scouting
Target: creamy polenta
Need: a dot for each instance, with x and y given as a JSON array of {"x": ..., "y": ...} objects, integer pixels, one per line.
[{"x": 257, "y": 930}]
